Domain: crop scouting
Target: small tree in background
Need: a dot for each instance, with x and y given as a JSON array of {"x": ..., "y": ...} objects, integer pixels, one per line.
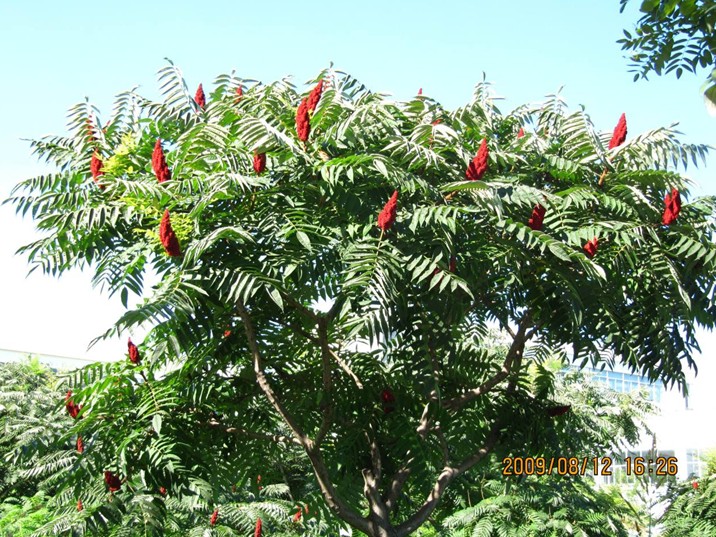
[{"x": 330, "y": 265}]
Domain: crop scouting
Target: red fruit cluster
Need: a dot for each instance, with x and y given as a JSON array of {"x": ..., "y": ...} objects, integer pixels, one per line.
[
  {"x": 168, "y": 237},
  {"x": 80, "y": 445},
  {"x": 79, "y": 505},
  {"x": 200, "y": 98},
  {"x": 520, "y": 133},
  {"x": 159, "y": 164},
  {"x": 558, "y": 410},
  {"x": 420, "y": 91},
  {"x": 535, "y": 222},
  {"x": 259, "y": 162},
  {"x": 315, "y": 96},
  {"x": 112, "y": 481},
  {"x": 672, "y": 207},
  {"x": 162, "y": 491},
  {"x": 133, "y": 352},
  {"x": 453, "y": 264},
  {"x": 239, "y": 93},
  {"x": 303, "y": 126},
  {"x": 297, "y": 516},
  {"x": 388, "y": 401},
  {"x": 591, "y": 247},
  {"x": 96, "y": 166},
  {"x": 695, "y": 484},
  {"x": 214, "y": 517},
  {"x": 619, "y": 134},
  {"x": 72, "y": 408},
  {"x": 478, "y": 166},
  {"x": 227, "y": 333},
  {"x": 257, "y": 531},
  {"x": 386, "y": 218}
]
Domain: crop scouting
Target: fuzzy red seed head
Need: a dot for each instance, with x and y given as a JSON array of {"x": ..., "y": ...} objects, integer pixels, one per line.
[
  {"x": 133, "y": 352},
  {"x": 159, "y": 163},
  {"x": 453, "y": 264},
  {"x": 200, "y": 98},
  {"x": 168, "y": 237},
  {"x": 80, "y": 445},
  {"x": 315, "y": 96},
  {"x": 96, "y": 166},
  {"x": 162, "y": 491},
  {"x": 297, "y": 516},
  {"x": 214, "y": 517},
  {"x": 591, "y": 247},
  {"x": 520, "y": 133},
  {"x": 619, "y": 134},
  {"x": 303, "y": 125},
  {"x": 239, "y": 92},
  {"x": 672, "y": 207},
  {"x": 388, "y": 399},
  {"x": 387, "y": 216},
  {"x": 535, "y": 222},
  {"x": 259, "y": 162},
  {"x": 420, "y": 91},
  {"x": 257, "y": 531},
  {"x": 112, "y": 481},
  {"x": 558, "y": 410},
  {"x": 73, "y": 409},
  {"x": 695, "y": 484},
  {"x": 79, "y": 505},
  {"x": 227, "y": 333},
  {"x": 478, "y": 166}
]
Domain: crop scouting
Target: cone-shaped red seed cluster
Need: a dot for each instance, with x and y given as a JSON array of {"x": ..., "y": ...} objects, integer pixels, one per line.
[
  {"x": 259, "y": 162},
  {"x": 72, "y": 408},
  {"x": 159, "y": 163},
  {"x": 96, "y": 166},
  {"x": 214, "y": 517},
  {"x": 239, "y": 93},
  {"x": 591, "y": 247},
  {"x": 453, "y": 264},
  {"x": 297, "y": 516},
  {"x": 558, "y": 410},
  {"x": 133, "y": 352},
  {"x": 257, "y": 531},
  {"x": 695, "y": 484},
  {"x": 80, "y": 445},
  {"x": 619, "y": 134},
  {"x": 112, "y": 481},
  {"x": 315, "y": 96},
  {"x": 386, "y": 218},
  {"x": 162, "y": 491},
  {"x": 200, "y": 98},
  {"x": 672, "y": 207},
  {"x": 303, "y": 126},
  {"x": 388, "y": 399},
  {"x": 478, "y": 166},
  {"x": 79, "y": 505},
  {"x": 520, "y": 133},
  {"x": 168, "y": 237},
  {"x": 420, "y": 91},
  {"x": 535, "y": 222}
]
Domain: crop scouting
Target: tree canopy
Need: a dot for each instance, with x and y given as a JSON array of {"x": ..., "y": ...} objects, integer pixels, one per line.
[
  {"x": 674, "y": 36},
  {"x": 331, "y": 264}
]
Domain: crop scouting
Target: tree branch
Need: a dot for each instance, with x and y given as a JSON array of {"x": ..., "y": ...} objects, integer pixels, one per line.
[
  {"x": 512, "y": 363},
  {"x": 277, "y": 438},
  {"x": 444, "y": 479},
  {"x": 327, "y": 401},
  {"x": 263, "y": 381}
]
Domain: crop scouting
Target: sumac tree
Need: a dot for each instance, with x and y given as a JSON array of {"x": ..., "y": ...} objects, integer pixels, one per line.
[{"x": 284, "y": 314}]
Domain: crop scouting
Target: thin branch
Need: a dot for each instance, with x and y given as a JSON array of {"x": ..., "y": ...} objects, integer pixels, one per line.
[
  {"x": 327, "y": 401},
  {"x": 276, "y": 438},
  {"x": 263, "y": 381},
  {"x": 447, "y": 475},
  {"x": 512, "y": 363},
  {"x": 397, "y": 482}
]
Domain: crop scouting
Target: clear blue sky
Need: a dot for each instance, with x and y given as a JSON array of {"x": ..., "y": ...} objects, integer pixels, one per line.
[{"x": 56, "y": 53}]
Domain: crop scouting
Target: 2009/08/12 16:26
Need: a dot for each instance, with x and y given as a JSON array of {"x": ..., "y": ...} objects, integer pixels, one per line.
[{"x": 659, "y": 466}]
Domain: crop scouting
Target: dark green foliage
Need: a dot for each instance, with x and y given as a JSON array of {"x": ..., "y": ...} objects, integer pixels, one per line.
[{"x": 324, "y": 312}]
